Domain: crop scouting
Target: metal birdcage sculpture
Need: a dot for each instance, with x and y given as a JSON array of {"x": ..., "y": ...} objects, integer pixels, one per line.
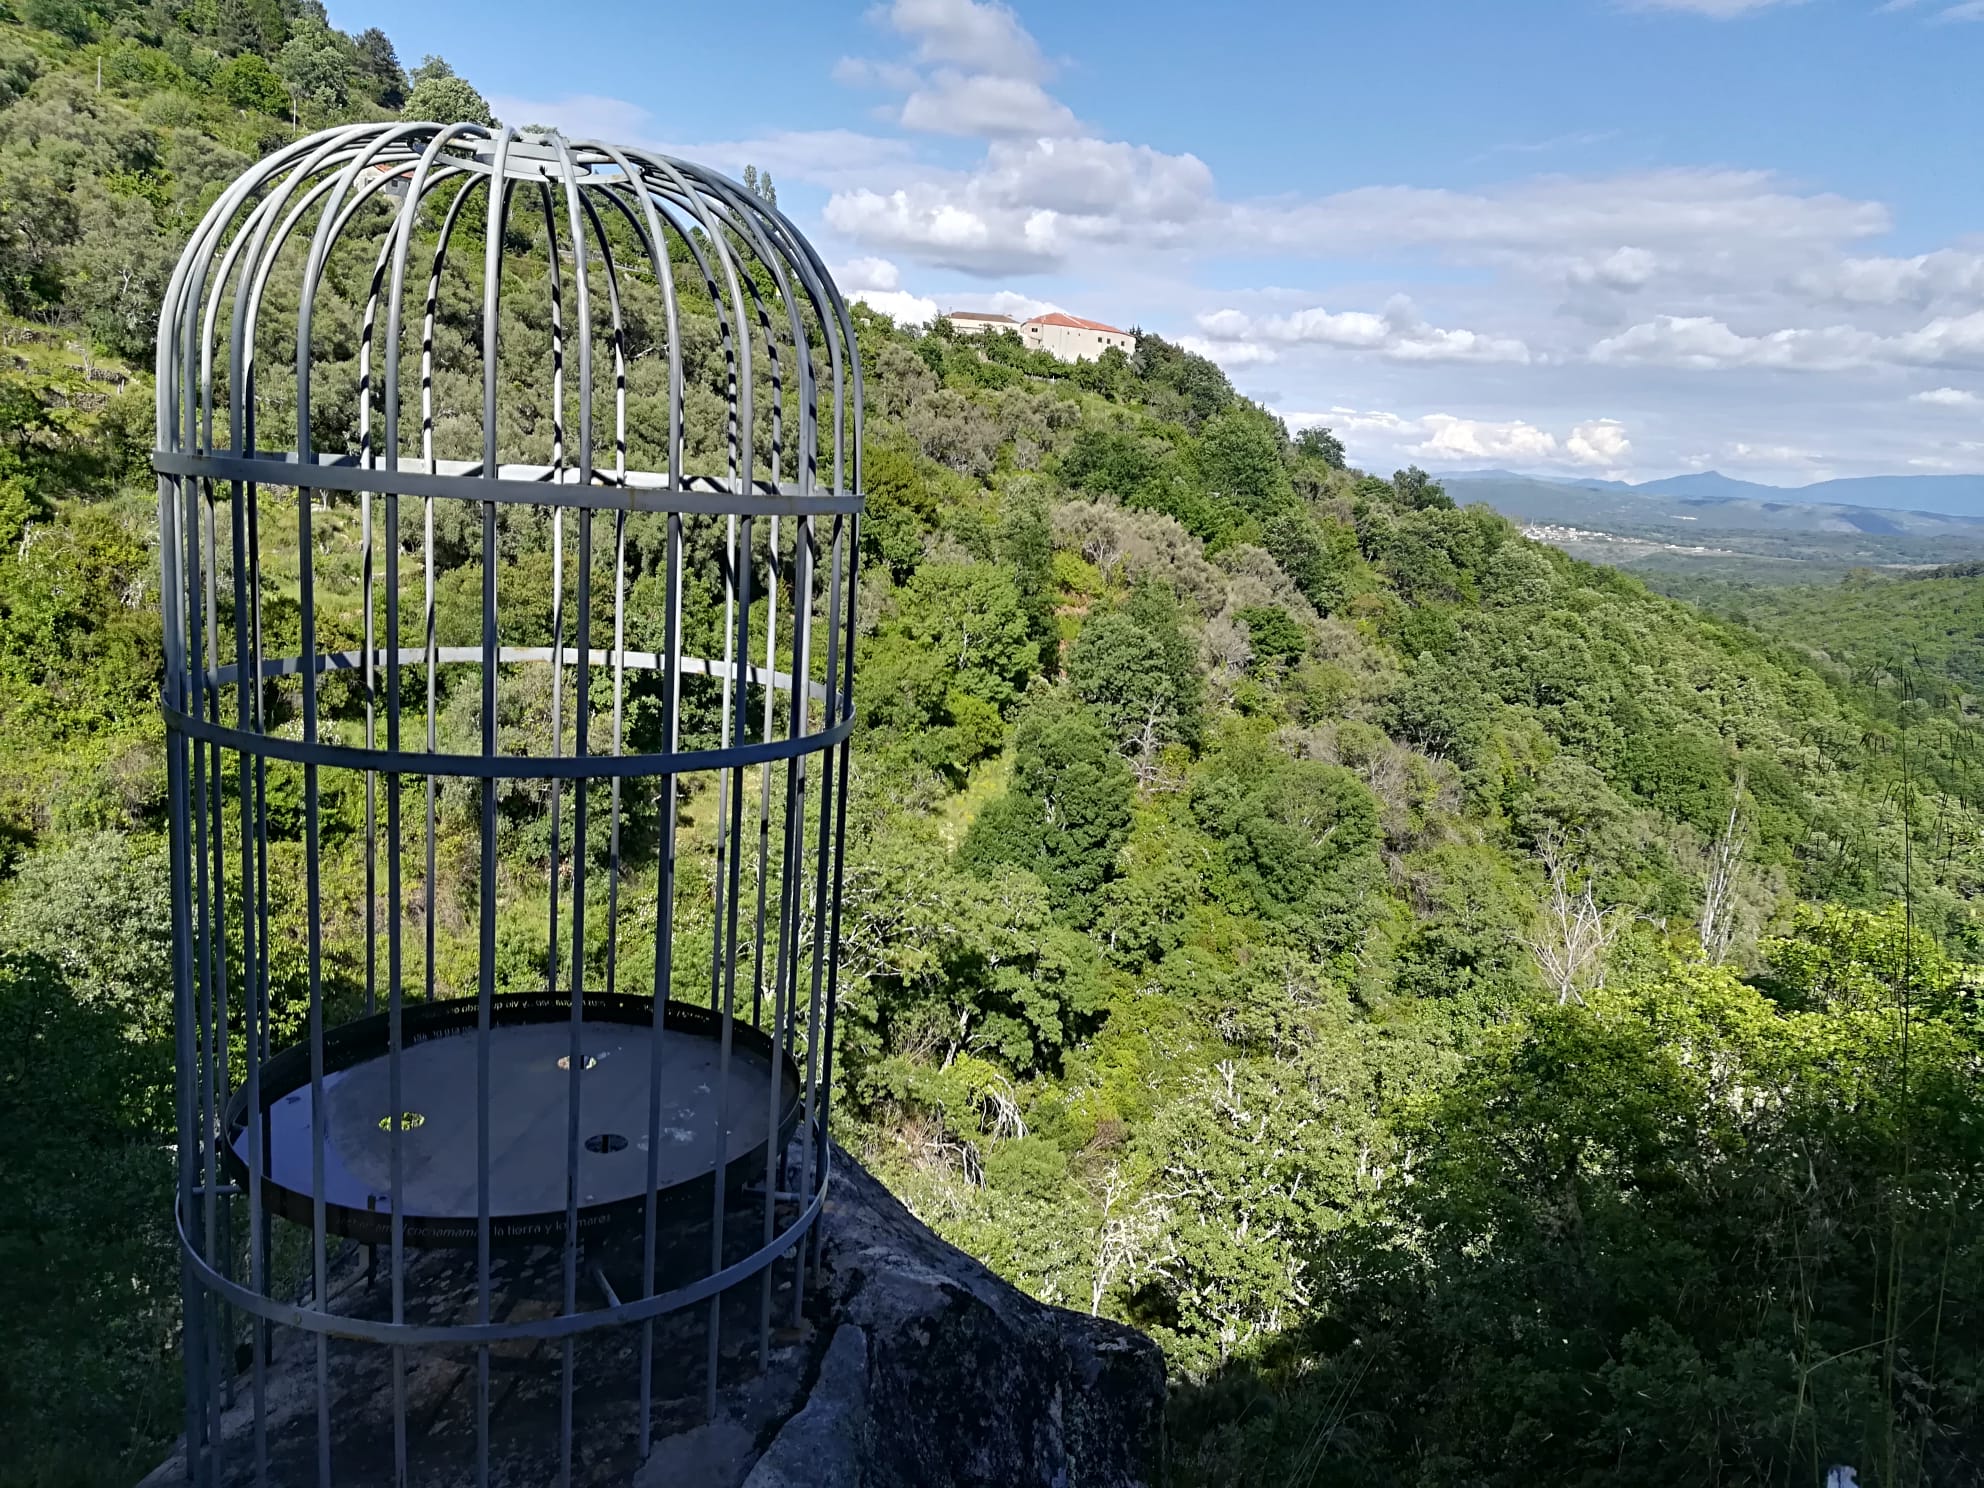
[{"x": 445, "y": 642}]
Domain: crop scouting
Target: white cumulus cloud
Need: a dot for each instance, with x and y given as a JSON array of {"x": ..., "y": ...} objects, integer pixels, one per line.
[
  {"x": 1031, "y": 205},
  {"x": 1948, "y": 274},
  {"x": 982, "y": 105},
  {"x": 1451, "y": 439},
  {"x": 980, "y": 33},
  {"x": 1948, "y": 397},
  {"x": 1622, "y": 268},
  {"x": 868, "y": 273},
  {"x": 1229, "y": 353},
  {"x": 1380, "y": 438},
  {"x": 1599, "y": 442},
  {"x": 1399, "y": 333},
  {"x": 1779, "y": 455},
  {"x": 1542, "y": 297},
  {"x": 1699, "y": 212},
  {"x": 900, "y": 304},
  {"x": 973, "y": 71},
  {"x": 1013, "y": 303},
  {"x": 1704, "y": 343},
  {"x": 1946, "y": 339}
]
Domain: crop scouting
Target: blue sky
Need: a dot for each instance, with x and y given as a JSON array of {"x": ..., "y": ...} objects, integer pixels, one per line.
[{"x": 1611, "y": 237}]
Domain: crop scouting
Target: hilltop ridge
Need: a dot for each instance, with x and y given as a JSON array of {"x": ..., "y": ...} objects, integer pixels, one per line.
[{"x": 1944, "y": 495}]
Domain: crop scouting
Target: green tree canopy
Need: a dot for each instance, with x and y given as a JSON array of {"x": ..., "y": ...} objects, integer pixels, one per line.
[
  {"x": 247, "y": 82},
  {"x": 1239, "y": 456},
  {"x": 439, "y": 95},
  {"x": 1067, "y": 812}
]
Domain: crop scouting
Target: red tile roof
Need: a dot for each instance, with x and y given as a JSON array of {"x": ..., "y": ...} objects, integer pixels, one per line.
[{"x": 1075, "y": 322}]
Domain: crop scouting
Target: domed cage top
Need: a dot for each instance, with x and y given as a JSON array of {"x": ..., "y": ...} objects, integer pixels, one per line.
[{"x": 508, "y": 491}]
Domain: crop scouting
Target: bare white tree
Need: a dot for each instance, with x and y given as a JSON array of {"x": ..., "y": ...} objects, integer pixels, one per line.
[
  {"x": 1147, "y": 748},
  {"x": 1573, "y": 933},
  {"x": 1724, "y": 857},
  {"x": 999, "y": 1108},
  {"x": 1225, "y": 648},
  {"x": 1123, "y": 1244},
  {"x": 1095, "y": 529},
  {"x": 1140, "y": 542}
]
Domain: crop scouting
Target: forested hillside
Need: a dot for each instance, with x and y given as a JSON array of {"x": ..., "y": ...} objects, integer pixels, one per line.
[
  {"x": 1919, "y": 634},
  {"x": 1491, "y": 1023}
]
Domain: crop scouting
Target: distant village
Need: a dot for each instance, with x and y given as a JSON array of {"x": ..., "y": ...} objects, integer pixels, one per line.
[{"x": 1068, "y": 337}]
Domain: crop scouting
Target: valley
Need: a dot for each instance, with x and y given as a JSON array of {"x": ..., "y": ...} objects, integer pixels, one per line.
[{"x": 1757, "y": 532}]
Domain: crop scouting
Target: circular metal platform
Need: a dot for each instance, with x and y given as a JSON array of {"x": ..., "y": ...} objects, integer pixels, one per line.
[{"x": 529, "y": 1048}]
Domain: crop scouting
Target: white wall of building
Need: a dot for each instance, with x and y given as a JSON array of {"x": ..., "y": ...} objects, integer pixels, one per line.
[
  {"x": 972, "y": 325},
  {"x": 1075, "y": 343}
]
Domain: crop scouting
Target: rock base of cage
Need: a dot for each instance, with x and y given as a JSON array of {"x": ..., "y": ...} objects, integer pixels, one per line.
[{"x": 912, "y": 1364}]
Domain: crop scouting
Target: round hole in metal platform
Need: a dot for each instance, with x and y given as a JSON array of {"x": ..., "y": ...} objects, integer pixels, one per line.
[
  {"x": 605, "y": 1142},
  {"x": 587, "y": 1061},
  {"x": 408, "y": 1121}
]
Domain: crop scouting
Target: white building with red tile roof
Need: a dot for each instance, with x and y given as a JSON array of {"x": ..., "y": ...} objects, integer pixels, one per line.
[
  {"x": 979, "y": 322},
  {"x": 1073, "y": 339}
]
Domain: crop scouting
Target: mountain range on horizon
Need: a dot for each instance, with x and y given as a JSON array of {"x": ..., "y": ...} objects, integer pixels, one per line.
[{"x": 1940, "y": 495}]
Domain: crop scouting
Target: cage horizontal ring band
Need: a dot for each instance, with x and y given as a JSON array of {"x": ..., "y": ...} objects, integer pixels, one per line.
[
  {"x": 505, "y": 766},
  {"x": 691, "y": 497},
  {"x": 416, "y": 656},
  {"x": 475, "y": 1335}
]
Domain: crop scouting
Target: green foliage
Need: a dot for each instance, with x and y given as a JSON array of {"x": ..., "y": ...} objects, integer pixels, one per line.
[
  {"x": 1119, "y": 667},
  {"x": 320, "y": 66},
  {"x": 901, "y": 509},
  {"x": 1684, "y": 774},
  {"x": 1067, "y": 811},
  {"x": 1136, "y": 668},
  {"x": 1616, "y": 1246},
  {"x": 438, "y": 94},
  {"x": 969, "y": 963},
  {"x": 1466, "y": 943},
  {"x": 1274, "y": 637},
  {"x": 1835, "y": 959},
  {"x": 1319, "y": 443},
  {"x": 379, "y": 65},
  {"x": 1259, "y": 1150},
  {"x": 79, "y": 644},
  {"x": 1239, "y": 459},
  {"x": 247, "y": 82},
  {"x": 1894, "y": 642},
  {"x": 1317, "y": 553},
  {"x": 88, "y": 1259},
  {"x": 942, "y": 672},
  {"x": 1296, "y": 834},
  {"x": 65, "y": 18},
  {"x": 1144, "y": 471},
  {"x": 1419, "y": 491},
  {"x": 760, "y": 186},
  {"x": 1211, "y": 811},
  {"x": 1026, "y": 543},
  {"x": 96, "y": 908},
  {"x": 1296, "y": 803},
  {"x": 1179, "y": 384}
]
